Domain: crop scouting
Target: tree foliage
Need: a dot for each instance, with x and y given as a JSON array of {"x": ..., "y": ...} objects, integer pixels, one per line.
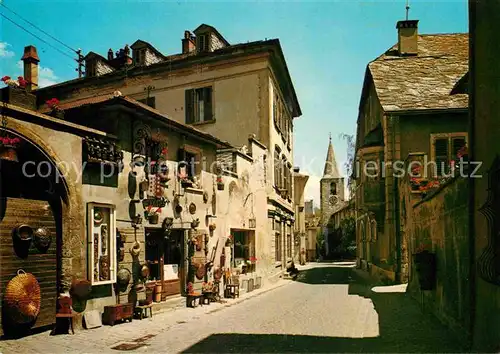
[
  {"x": 349, "y": 163},
  {"x": 348, "y": 229}
]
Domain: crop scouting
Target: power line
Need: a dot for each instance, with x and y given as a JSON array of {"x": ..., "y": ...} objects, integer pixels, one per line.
[
  {"x": 34, "y": 35},
  {"x": 38, "y": 28}
]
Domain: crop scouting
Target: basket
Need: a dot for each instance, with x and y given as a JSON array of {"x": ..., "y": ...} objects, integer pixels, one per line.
[{"x": 22, "y": 297}]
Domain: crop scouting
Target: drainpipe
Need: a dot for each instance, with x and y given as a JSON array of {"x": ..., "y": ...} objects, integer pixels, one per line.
[{"x": 471, "y": 211}]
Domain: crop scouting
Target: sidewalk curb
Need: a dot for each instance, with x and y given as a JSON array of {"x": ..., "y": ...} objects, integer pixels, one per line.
[{"x": 245, "y": 298}]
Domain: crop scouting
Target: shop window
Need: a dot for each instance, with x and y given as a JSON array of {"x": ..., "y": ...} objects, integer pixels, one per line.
[
  {"x": 102, "y": 243},
  {"x": 373, "y": 231}
]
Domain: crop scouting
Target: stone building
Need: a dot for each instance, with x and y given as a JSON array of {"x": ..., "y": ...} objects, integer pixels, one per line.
[
  {"x": 414, "y": 100},
  {"x": 300, "y": 181},
  {"x": 229, "y": 91},
  {"x": 484, "y": 194},
  {"x": 331, "y": 197},
  {"x": 117, "y": 186}
]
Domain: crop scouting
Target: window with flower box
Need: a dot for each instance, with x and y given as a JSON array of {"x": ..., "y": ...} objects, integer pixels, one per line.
[
  {"x": 444, "y": 149},
  {"x": 101, "y": 224}
]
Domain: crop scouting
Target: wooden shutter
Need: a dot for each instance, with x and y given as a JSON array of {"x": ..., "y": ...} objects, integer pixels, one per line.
[
  {"x": 456, "y": 144},
  {"x": 441, "y": 154},
  {"x": 189, "y": 105},
  {"x": 207, "y": 97}
]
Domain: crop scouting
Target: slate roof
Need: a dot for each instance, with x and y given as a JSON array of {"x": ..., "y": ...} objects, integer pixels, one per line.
[{"x": 424, "y": 81}]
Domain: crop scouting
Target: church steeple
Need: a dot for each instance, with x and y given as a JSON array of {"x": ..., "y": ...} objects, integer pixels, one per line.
[{"x": 331, "y": 170}]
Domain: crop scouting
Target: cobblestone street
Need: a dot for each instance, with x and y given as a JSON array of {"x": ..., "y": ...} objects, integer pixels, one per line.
[{"x": 328, "y": 309}]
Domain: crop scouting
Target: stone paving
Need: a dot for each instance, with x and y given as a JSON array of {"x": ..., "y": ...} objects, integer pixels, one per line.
[{"x": 328, "y": 309}]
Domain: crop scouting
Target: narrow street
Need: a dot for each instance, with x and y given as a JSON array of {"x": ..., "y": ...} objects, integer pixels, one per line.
[{"x": 328, "y": 309}]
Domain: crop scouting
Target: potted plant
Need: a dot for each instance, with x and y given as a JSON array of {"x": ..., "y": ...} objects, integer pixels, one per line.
[
  {"x": 8, "y": 147},
  {"x": 220, "y": 184},
  {"x": 426, "y": 267},
  {"x": 152, "y": 215},
  {"x": 56, "y": 111}
]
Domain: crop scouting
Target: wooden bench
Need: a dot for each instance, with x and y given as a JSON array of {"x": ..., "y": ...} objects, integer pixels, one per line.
[{"x": 142, "y": 311}]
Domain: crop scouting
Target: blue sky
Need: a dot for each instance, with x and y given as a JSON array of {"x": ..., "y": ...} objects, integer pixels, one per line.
[{"x": 327, "y": 45}]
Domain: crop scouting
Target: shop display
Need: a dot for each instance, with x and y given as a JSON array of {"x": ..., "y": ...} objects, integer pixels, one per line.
[
  {"x": 24, "y": 232},
  {"x": 124, "y": 276},
  {"x": 22, "y": 297},
  {"x": 102, "y": 264},
  {"x": 42, "y": 239}
]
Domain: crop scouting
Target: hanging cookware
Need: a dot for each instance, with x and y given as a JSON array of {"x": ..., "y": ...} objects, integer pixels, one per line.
[
  {"x": 217, "y": 274},
  {"x": 42, "y": 238},
  {"x": 22, "y": 297},
  {"x": 192, "y": 208},
  {"x": 135, "y": 250},
  {"x": 200, "y": 271},
  {"x": 123, "y": 277},
  {"x": 98, "y": 217},
  {"x": 81, "y": 288},
  {"x": 23, "y": 232},
  {"x": 144, "y": 271}
]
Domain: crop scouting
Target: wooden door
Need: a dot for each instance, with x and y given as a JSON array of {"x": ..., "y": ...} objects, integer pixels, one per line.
[{"x": 42, "y": 264}]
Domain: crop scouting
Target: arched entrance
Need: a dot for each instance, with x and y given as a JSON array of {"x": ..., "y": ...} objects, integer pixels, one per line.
[{"x": 32, "y": 193}]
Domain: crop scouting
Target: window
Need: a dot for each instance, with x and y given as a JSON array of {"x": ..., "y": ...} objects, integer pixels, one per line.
[
  {"x": 90, "y": 68},
  {"x": 444, "y": 148},
  {"x": 101, "y": 223},
  {"x": 277, "y": 245},
  {"x": 288, "y": 243},
  {"x": 284, "y": 174},
  {"x": 149, "y": 101},
  {"x": 189, "y": 165},
  {"x": 140, "y": 56},
  {"x": 203, "y": 43},
  {"x": 373, "y": 226},
  {"x": 199, "y": 105},
  {"x": 333, "y": 188},
  {"x": 277, "y": 169}
]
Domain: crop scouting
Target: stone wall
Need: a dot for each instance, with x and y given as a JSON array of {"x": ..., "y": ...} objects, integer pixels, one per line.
[{"x": 439, "y": 222}]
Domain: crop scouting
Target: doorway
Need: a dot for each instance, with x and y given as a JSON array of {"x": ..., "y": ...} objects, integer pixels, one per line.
[{"x": 165, "y": 257}]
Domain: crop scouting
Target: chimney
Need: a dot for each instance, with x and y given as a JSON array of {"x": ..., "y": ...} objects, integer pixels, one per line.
[
  {"x": 110, "y": 54},
  {"x": 407, "y": 37},
  {"x": 188, "y": 44},
  {"x": 31, "y": 60}
]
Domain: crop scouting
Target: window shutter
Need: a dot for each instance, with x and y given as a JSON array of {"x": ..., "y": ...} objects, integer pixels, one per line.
[
  {"x": 441, "y": 154},
  {"x": 189, "y": 106},
  {"x": 457, "y": 144},
  {"x": 208, "y": 104}
]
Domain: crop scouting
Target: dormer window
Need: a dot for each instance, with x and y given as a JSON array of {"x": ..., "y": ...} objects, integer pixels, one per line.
[
  {"x": 202, "y": 43},
  {"x": 140, "y": 56},
  {"x": 90, "y": 68}
]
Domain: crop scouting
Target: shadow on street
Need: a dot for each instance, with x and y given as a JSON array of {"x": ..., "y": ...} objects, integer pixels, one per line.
[{"x": 403, "y": 327}]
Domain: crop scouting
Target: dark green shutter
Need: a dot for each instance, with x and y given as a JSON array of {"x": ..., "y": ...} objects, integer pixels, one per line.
[
  {"x": 441, "y": 154},
  {"x": 457, "y": 144},
  {"x": 189, "y": 106},
  {"x": 207, "y": 97}
]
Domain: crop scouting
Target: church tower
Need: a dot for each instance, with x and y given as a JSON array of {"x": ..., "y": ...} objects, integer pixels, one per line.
[{"x": 331, "y": 187}]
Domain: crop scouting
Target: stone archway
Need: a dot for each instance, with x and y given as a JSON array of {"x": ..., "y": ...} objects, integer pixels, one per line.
[{"x": 73, "y": 251}]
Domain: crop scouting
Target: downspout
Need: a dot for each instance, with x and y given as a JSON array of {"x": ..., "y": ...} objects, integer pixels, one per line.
[
  {"x": 472, "y": 194},
  {"x": 396, "y": 208}
]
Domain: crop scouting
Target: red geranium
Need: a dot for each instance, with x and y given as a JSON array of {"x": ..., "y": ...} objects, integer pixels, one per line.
[
  {"x": 219, "y": 179},
  {"x": 52, "y": 103},
  {"x": 22, "y": 81},
  {"x": 5, "y": 78}
]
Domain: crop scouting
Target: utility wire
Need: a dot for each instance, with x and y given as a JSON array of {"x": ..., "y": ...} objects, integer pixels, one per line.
[
  {"x": 38, "y": 28},
  {"x": 34, "y": 35}
]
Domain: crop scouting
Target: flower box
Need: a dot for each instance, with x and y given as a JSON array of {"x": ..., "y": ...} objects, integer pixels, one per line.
[{"x": 153, "y": 219}]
